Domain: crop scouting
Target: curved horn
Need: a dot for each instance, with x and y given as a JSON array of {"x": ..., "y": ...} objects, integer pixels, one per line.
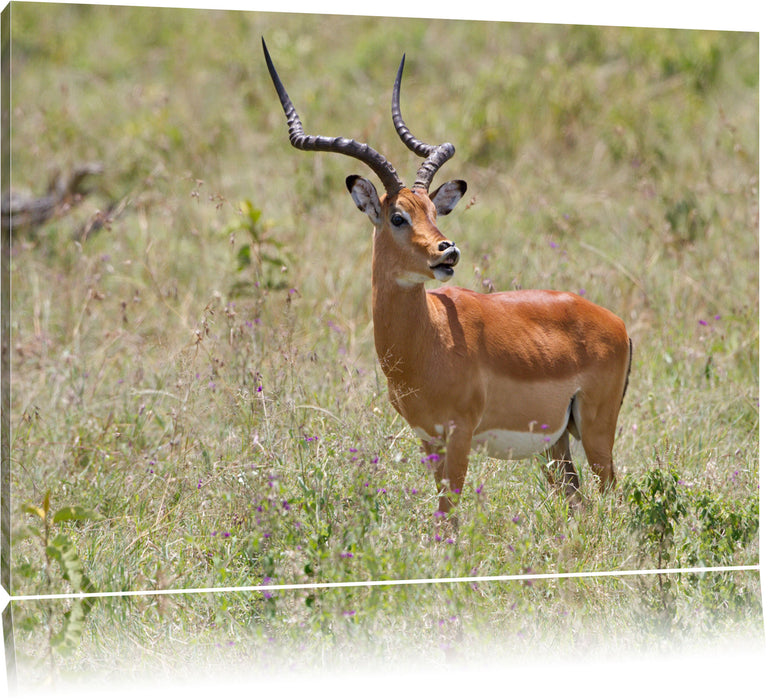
[
  {"x": 436, "y": 156},
  {"x": 378, "y": 163}
]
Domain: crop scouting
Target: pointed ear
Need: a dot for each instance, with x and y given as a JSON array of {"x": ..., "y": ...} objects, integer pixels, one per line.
[
  {"x": 365, "y": 196},
  {"x": 447, "y": 196}
]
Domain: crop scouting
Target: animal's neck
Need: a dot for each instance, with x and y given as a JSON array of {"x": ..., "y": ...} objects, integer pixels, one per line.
[{"x": 402, "y": 327}]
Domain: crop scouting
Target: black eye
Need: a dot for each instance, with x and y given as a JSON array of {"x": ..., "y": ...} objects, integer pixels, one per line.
[{"x": 398, "y": 220}]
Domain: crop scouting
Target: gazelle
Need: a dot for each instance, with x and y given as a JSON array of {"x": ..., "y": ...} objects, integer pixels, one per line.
[{"x": 513, "y": 372}]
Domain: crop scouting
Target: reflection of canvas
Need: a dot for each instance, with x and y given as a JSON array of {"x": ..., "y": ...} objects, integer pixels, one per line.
[
  {"x": 196, "y": 401},
  {"x": 248, "y": 636}
]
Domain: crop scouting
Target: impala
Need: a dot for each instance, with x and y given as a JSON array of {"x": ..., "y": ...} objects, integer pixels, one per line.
[{"x": 513, "y": 372}]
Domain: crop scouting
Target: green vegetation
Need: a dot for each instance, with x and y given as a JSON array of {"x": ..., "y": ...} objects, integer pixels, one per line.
[{"x": 200, "y": 372}]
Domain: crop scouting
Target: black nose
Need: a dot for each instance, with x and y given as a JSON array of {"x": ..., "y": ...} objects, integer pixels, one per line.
[{"x": 444, "y": 245}]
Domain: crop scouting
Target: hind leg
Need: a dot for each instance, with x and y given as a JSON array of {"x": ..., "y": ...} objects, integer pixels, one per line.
[
  {"x": 595, "y": 410},
  {"x": 597, "y": 431},
  {"x": 560, "y": 469},
  {"x": 599, "y": 455}
]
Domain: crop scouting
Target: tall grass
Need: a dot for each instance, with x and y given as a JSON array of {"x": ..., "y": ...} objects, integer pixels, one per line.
[{"x": 201, "y": 371}]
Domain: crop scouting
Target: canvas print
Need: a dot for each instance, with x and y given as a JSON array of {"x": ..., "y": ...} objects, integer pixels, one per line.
[{"x": 336, "y": 342}]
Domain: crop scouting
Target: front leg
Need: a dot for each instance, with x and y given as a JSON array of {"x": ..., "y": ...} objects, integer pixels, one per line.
[
  {"x": 435, "y": 462},
  {"x": 450, "y": 464}
]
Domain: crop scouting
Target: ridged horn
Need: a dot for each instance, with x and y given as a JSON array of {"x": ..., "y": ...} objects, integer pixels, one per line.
[
  {"x": 336, "y": 144},
  {"x": 435, "y": 156}
]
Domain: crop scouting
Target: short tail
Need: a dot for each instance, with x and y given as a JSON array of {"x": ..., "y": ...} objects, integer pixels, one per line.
[{"x": 627, "y": 376}]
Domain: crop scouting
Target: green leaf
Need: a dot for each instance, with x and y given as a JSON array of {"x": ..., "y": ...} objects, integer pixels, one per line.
[
  {"x": 62, "y": 549},
  {"x": 242, "y": 288},
  {"x": 271, "y": 240},
  {"x": 250, "y": 212},
  {"x": 243, "y": 257},
  {"x": 34, "y": 510},
  {"x": 67, "y": 640},
  {"x": 272, "y": 260},
  {"x": 75, "y": 513},
  {"x": 27, "y": 570}
]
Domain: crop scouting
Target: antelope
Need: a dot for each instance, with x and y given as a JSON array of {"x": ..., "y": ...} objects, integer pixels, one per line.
[{"x": 511, "y": 372}]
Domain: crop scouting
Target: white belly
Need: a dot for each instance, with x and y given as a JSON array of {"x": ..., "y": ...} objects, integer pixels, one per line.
[{"x": 508, "y": 444}]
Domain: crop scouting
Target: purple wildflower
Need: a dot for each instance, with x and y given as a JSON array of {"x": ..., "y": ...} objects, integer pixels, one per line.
[{"x": 266, "y": 582}]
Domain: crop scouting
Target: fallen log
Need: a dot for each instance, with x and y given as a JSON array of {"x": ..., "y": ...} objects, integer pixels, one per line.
[{"x": 20, "y": 212}]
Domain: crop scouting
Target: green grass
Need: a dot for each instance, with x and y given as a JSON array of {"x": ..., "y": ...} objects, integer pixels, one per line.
[{"x": 202, "y": 374}]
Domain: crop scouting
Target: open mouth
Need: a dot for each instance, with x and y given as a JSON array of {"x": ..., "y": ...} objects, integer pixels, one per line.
[{"x": 443, "y": 269}]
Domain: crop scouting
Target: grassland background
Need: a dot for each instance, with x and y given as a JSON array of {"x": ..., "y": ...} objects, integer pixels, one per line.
[{"x": 201, "y": 372}]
